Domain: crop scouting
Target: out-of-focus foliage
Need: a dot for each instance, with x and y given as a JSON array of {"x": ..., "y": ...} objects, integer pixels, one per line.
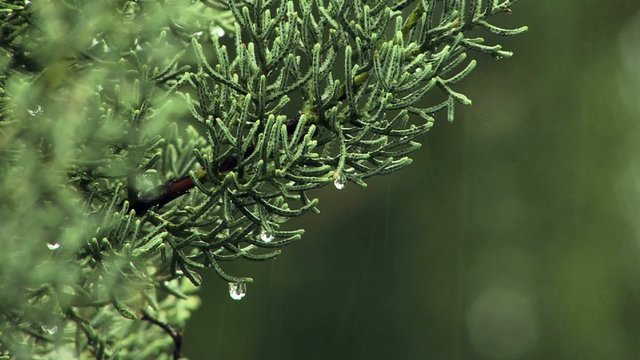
[
  {"x": 110, "y": 112},
  {"x": 84, "y": 104}
]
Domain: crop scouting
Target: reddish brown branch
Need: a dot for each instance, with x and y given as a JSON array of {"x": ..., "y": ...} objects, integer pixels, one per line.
[
  {"x": 175, "y": 335},
  {"x": 172, "y": 190}
]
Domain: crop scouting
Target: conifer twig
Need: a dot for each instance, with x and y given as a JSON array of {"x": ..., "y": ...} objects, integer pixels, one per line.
[
  {"x": 175, "y": 334},
  {"x": 174, "y": 189}
]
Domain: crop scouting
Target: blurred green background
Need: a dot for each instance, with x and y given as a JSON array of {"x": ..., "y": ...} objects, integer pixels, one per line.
[{"x": 514, "y": 235}]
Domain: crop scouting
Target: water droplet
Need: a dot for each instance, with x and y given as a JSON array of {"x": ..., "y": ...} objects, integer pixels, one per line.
[
  {"x": 339, "y": 181},
  {"x": 237, "y": 290},
  {"x": 218, "y": 31},
  {"x": 418, "y": 69},
  {"x": 36, "y": 112},
  {"x": 53, "y": 245},
  {"x": 50, "y": 329},
  {"x": 266, "y": 236}
]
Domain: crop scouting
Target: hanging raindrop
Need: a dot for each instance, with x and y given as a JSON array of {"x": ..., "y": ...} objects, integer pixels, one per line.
[
  {"x": 53, "y": 245},
  {"x": 340, "y": 181},
  {"x": 237, "y": 290},
  {"x": 218, "y": 31},
  {"x": 266, "y": 236},
  {"x": 50, "y": 329}
]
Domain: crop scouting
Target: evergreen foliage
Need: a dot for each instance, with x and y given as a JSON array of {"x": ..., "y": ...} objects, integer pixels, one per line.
[{"x": 142, "y": 142}]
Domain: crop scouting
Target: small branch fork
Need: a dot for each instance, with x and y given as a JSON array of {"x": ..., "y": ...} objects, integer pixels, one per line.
[
  {"x": 175, "y": 334},
  {"x": 172, "y": 190}
]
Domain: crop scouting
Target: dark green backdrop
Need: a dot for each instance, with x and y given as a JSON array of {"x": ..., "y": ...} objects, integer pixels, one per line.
[{"x": 514, "y": 235}]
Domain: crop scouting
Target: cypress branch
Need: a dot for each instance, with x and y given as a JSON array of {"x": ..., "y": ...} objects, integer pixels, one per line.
[{"x": 142, "y": 143}]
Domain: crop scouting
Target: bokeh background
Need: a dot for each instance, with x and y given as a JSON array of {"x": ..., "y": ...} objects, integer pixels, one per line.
[{"x": 514, "y": 234}]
